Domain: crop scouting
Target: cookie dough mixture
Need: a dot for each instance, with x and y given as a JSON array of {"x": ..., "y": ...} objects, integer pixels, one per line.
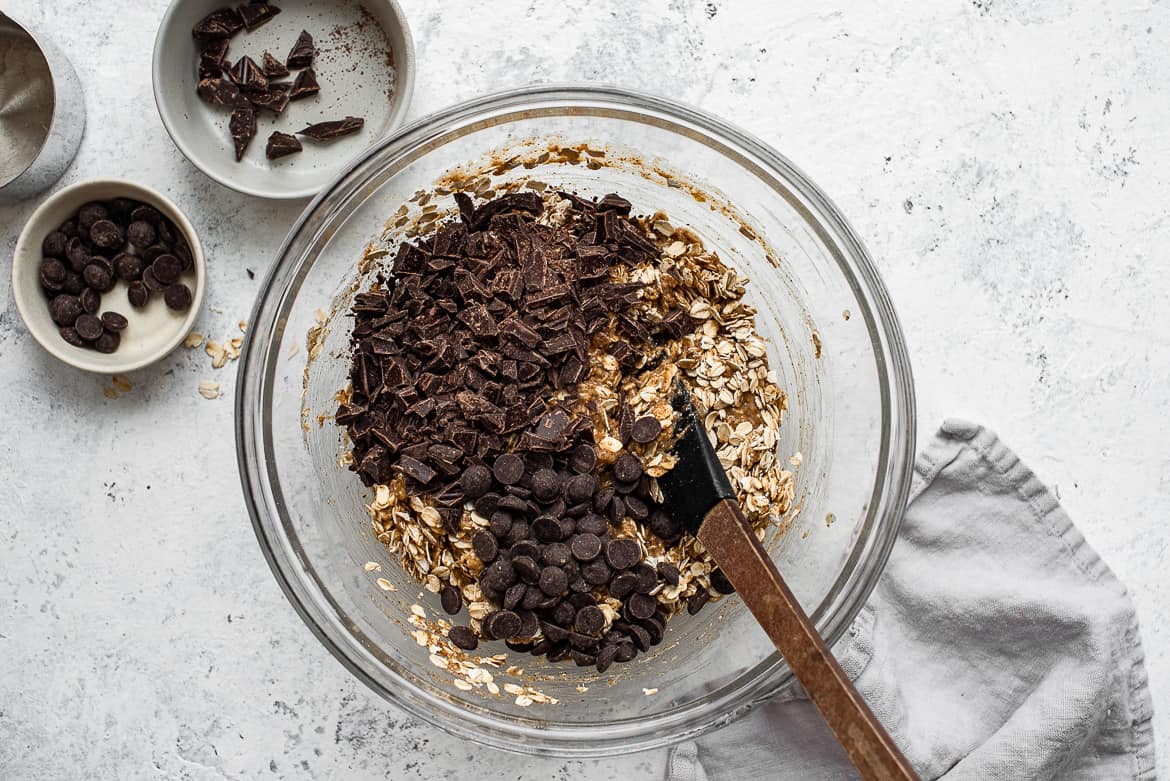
[{"x": 509, "y": 406}]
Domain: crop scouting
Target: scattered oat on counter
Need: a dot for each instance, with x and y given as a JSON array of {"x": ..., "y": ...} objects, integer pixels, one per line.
[
  {"x": 194, "y": 339},
  {"x": 386, "y": 585},
  {"x": 373, "y": 566},
  {"x": 209, "y": 390},
  {"x": 649, "y": 692}
]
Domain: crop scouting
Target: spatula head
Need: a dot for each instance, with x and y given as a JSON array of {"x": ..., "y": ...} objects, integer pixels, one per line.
[{"x": 698, "y": 481}]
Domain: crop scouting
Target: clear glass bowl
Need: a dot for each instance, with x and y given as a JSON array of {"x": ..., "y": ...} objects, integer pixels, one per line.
[{"x": 835, "y": 345}]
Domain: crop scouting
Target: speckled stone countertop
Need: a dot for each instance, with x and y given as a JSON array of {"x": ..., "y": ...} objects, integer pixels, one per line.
[{"x": 1002, "y": 159}]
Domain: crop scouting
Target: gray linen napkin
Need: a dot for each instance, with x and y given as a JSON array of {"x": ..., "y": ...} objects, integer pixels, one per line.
[{"x": 997, "y": 645}]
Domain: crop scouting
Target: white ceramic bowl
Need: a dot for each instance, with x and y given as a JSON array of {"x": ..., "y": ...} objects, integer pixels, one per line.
[
  {"x": 154, "y": 330},
  {"x": 356, "y": 42}
]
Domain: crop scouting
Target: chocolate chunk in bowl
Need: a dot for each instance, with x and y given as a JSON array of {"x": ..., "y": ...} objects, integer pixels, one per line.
[{"x": 705, "y": 671}]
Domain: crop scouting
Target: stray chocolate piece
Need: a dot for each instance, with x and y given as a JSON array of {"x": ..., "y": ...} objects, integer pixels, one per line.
[
  {"x": 272, "y": 67},
  {"x": 243, "y": 130},
  {"x": 221, "y": 92},
  {"x": 327, "y": 131},
  {"x": 304, "y": 85},
  {"x": 248, "y": 76},
  {"x": 223, "y": 23},
  {"x": 281, "y": 145},
  {"x": 463, "y": 637},
  {"x": 302, "y": 53},
  {"x": 256, "y": 14}
]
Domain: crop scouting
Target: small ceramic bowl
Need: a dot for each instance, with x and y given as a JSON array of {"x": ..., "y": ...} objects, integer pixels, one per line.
[
  {"x": 153, "y": 331},
  {"x": 364, "y": 64}
]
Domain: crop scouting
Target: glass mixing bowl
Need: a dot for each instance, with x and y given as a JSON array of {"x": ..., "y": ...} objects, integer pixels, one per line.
[{"x": 834, "y": 343}]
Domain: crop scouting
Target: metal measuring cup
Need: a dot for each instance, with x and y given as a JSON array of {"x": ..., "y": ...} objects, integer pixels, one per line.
[{"x": 42, "y": 112}]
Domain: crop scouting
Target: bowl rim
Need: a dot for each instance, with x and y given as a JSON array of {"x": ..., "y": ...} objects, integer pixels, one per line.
[
  {"x": 536, "y": 736},
  {"x": 28, "y": 251},
  {"x": 403, "y": 93}
]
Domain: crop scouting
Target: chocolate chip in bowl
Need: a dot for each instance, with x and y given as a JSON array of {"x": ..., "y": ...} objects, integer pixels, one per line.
[
  {"x": 224, "y": 75},
  {"x": 108, "y": 275}
]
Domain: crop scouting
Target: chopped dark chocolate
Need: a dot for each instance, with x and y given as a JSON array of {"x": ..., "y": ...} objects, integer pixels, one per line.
[
  {"x": 274, "y": 98},
  {"x": 243, "y": 129},
  {"x": 212, "y": 59},
  {"x": 223, "y": 23},
  {"x": 281, "y": 145},
  {"x": 328, "y": 131},
  {"x": 272, "y": 67},
  {"x": 248, "y": 76},
  {"x": 254, "y": 15},
  {"x": 302, "y": 53},
  {"x": 221, "y": 92},
  {"x": 304, "y": 85}
]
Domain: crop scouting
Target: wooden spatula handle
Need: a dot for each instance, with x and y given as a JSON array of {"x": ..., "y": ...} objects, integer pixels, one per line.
[{"x": 729, "y": 538}]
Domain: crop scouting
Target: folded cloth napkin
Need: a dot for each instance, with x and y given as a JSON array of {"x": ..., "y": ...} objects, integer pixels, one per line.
[{"x": 997, "y": 645}]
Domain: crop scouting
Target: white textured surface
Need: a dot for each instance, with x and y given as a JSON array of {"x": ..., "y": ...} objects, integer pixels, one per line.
[{"x": 1003, "y": 160}]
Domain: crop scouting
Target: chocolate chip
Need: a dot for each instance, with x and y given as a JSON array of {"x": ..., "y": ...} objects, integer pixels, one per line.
[
  {"x": 302, "y": 53},
  {"x": 152, "y": 283},
  {"x": 508, "y": 469},
  {"x": 654, "y": 629},
  {"x": 502, "y": 624},
  {"x": 97, "y": 277},
  {"x": 51, "y": 286},
  {"x": 580, "y": 488},
  {"x": 89, "y": 214},
  {"x": 485, "y": 546},
  {"x": 668, "y": 572},
  {"x": 53, "y": 245},
  {"x": 540, "y": 648},
  {"x": 114, "y": 321},
  {"x": 451, "y": 599},
  {"x": 88, "y": 327},
  {"x": 329, "y": 131},
  {"x": 514, "y": 595},
  {"x": 623, "y": 585},
  {"x": 178, "y": 297},
  {"x": 526, "y": 568},
  {"x": 589, "y": 621},
  {"x": 70, "y": 335},
  {"x": 584, "y": 459},
  {"x": 554, "y": 581},
  {"x": 627, "y": 468},
  {"x": 555, "y": 631},
  {"x": 697, "y": 600},
  {"x": 626, "y": 652},
  {"x": 559, "y": 652},
  {"x": 65, "y": 309},
  {"x": 129, "y": 267},
  {"x": 637, "y": 508},
  {"x": 137, "y": 294},
  {"x": 281, "y": 145},
  {"x": 499, "y": 575},
  {"x": 720, "y": 583},
  {"x": 665, "y": 526},
  {"x": 547, "y": 529},
  {"x": 141, "y": 234},
  {"x": 76, "y": 254},
  {"x": 602, "y": 499},
  {"x": 108, "y": 342},
  {"x": 463, "y": 637},
  {"x": 54, "y": 270},
  {"x": 90, "y": 300},
  {"x": 646, "y": 576},
  {"x": 546, "y": 485},
  {"x": 107, "y": 235},
  {"x": 146, "y": 213},
  {"x": 617, "y": 511},
  {"x": 585, "y": 547},
  {"x": 556, "y": 554},
  {"x": 529, "y": 624},
  {"x": 74, "y": 284},
  {"x": 526, "y": 548},
  {"x": 591, "y": 523},
  {"x": 475, "y": 480},
  {"x": 596, "y": 572},
  {"x": 622, "y": 553},
  {"x": 646, "y": 429},
  {"x": 167, "y": 269}
]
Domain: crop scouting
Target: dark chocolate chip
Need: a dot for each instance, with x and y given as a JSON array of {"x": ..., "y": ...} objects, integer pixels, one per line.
[
  {"x": 146, "y": 213},
  {"x": 141, "y": 234},
  {"x": 508, "y": 469},
  {"x": 606, "y": 656},
  {"x": 129, "y": 267},
  {"x": 627, "y": 468},
  {"x": 596, "y": 572},
  {"x": 665, "y": 526},
  {"x": 70, "y": 335},
  {"x": 89, "y": 214},
  {"x": 451, "y": 599},
  {"x": 151, "y": 282},
  {"x": 107, "y": 235},
  {"x": 114, "y": 321},
  {"x": 178, "y": 297},
  {"x": 463, "y": 637},
  {"x": 76, "y": 254},
  {"x": 88, "y": 327},
  {"x": 514, "y": 595},
  {"x": 74, "y": 284},
  {"x": 526, "y": 568},
  {"x": 65, "y": 309},
  {"x": 646, "y": 429},
  {"x": 108, "y": 342},
  {"x": 637, "y": 509},
  {"x": 580, "y": 488},
  {"x": 556, "y": 554},
  {"x": 485, "y": 546},
  {"x": 617, "y": 511},
  {"x": 584, "y": 459},
  {"x": 546, "y": 485},
  {"x": 623, "y": 585},
  {"x": 668, "y": 572},
  {"x": 697, "y": 600},
  {"x": 53, "y": 245},
  {"x": 622, "y": 553},
  {"x": 547, "y": 529},
  {"x": 585, "y": 547},
  {"x": 502, "y": 624},
  {"x": 554, "y": 581},
  {"x": 475, "y": 480},
  {"x": 591, "y": 523},
  {"x": 138, "y": 294},
  {"x": 626, "y": 652},
  {"x": 589, "y": 621},
  {"x": 647, "y": 577},
  {"x": 53, "y": 270},
  {"x": 639, "y": 635},
  {"x": 167, "y": 269},
  {"x": 720, "y": 583}
]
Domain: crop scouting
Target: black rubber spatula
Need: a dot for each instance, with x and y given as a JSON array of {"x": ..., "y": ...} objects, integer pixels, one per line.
[{"x": 699, "y": 495}]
